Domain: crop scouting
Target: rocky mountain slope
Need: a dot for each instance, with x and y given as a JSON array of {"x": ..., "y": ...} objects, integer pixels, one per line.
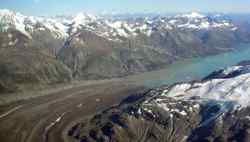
[
  {"x": 129, "y": 46},
  {"x": 215, "y": 109},
  {"x": 94, "y": 47},
  {"x": 25, "y": 69}
]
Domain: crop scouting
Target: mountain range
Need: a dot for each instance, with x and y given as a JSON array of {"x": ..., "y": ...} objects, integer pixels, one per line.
[{"x": 39, "y": 51}]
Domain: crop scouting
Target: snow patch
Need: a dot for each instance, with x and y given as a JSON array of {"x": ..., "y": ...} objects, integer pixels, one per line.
[
  {"x": 233, "y": 89},
  {"x": 193, "y": 15},
  {"x": 231, "y": 69}
]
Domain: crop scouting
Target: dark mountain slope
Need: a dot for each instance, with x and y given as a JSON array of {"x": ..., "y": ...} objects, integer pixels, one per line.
[
  {"x": 24, "y": 68},
  {"x": 213, "y": 110}
]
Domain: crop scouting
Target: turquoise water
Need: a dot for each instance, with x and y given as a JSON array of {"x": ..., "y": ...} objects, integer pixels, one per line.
[{"x": 193, "y": 69}]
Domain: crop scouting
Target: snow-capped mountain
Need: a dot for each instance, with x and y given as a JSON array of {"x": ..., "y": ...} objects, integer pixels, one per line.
[
  {"x": 95, "y": 47},
  {"x": 29, "y": 24},
  {"x": 229, "y": 88},
  {"x": 215, "y": 109},
  {"x": 9, "y": 19},
  {"x": 232, "y": 86},
  {"x": 113, "y": 29},
  {"x": 129, "y": 28},
  {"x": 192, "y": 15}
]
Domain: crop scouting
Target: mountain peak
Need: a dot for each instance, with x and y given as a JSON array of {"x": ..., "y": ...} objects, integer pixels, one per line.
[
  {"x": 84, "y": 17},
  {"x": 194, "y": 15},
  {"x": 6, "y": 12}
]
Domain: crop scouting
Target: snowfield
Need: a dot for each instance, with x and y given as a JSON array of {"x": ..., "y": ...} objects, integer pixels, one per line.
[
  {"x": 235, "y": 89},
  {"x": 109, "y": 28}
]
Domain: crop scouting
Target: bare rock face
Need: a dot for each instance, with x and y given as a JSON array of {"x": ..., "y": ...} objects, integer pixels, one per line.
[
  {"x": 93, "y": 57},
  {"x": 213, "y": 110}
]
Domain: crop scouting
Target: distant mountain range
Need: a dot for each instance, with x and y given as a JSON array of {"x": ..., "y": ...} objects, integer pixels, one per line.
[
  {"x": 95, "y": 47},
  {"x": 112, "y": 28}
]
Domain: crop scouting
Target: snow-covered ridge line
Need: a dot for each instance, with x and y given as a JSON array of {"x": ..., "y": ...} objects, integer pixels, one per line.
[
  {"x": 229, "y": 93},
  {"x": 233, "y": 86},
  {"x": 110, "y": 28},
  {"x": 28, "y": 24},
  {"x": 192, "y": 15}
]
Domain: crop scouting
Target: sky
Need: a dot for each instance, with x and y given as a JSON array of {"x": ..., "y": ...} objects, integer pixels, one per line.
[{"x": 58, "y": 7}]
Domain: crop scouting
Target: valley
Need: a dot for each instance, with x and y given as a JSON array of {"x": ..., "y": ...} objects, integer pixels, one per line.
[
  {"x": 90, "y": 78},
  {"x": 49, "y": 117}
]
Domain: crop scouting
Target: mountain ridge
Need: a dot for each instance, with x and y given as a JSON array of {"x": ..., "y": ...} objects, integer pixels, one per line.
[
  {"x": 94, "y": 47},
  {"x": 62, "y": 25}
]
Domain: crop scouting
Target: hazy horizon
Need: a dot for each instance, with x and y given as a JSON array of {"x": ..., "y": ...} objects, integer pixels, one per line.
[{"x": 63, "y": 7}]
